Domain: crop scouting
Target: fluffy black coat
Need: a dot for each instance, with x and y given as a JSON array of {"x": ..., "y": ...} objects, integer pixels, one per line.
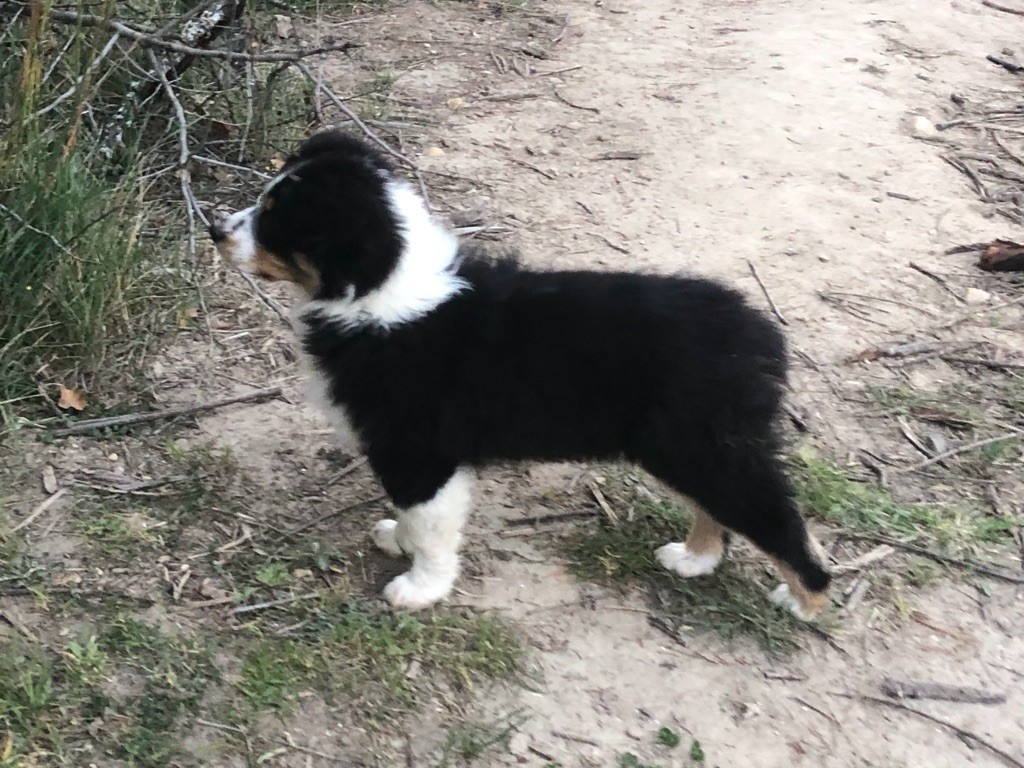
[{"x": 678, "y": 375}]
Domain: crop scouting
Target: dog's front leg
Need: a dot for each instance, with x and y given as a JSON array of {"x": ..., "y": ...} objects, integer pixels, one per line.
[{"x": 430, "y": 533}]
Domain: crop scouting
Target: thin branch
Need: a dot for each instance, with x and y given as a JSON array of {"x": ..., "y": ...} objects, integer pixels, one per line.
[
  {"x": 192, "y": 207},
  {"x": 963, "y": 733},
  {"x": 771, "y": 302},
  {"x": 147, "y": 40},
  {"x": 272, "y": 603},
  {"x": 342, "y": 107},
  {"x": 87, "y": 425},
  {"x": 1003, "y": 8},
  {"x": 43, "y": 506},
  {"x": 21, "y": 220},
  {"x": 81, "y": 78},
  {"x": 957, "y": 451},
  {"x": 972, "y": 565},
  {"x": 264, "y": 297}
]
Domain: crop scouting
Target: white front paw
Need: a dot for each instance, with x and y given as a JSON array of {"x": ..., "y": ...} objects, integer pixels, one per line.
[
  {"x": 678, "y": 559},
  {"x": 416, "y": 590},
  {"x": 782, "y": 596},
  {"x": 385, "y": 537}
]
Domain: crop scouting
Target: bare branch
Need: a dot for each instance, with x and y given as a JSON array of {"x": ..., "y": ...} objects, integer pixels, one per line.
[{"x": 147, "y": 40}]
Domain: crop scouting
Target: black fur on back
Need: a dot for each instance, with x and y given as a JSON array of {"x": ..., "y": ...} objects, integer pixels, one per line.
[{"x": 679, "y": 375}]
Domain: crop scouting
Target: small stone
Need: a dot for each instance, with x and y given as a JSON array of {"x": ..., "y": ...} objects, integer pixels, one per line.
[
  {"x": 977, "y": 296},
  {"x": 434, "y": 152},
  {"x": 924, "y": 128},
  {"x": 49, "y": 480},
  {"x": 519, "y": 744},
  {"x": 456, "y": 102}
]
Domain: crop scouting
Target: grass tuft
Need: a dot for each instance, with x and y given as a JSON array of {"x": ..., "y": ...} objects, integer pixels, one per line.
[
  {"x": 730, "y": 602},
  {"x": 354, "y": 649},
  {"x": 823, "y": 489}
]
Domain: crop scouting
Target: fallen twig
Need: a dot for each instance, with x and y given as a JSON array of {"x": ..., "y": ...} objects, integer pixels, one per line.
[
  {"x": 351, "y": 507},
  {"x": 533, "y": 168},
  {"x": 1009, "y": 66},
  {"x": 906, "y": 689},
  {"x": 25, "y": 631},
  {"x": 185, "y": 179},
  {"x": 602, "y": 502},
  {"x": 147, "y": 40},
  {"x": 973, "y": 565},
  {"x": 272, "y": 603},
  {"x": 87, "y": 425},
  {"x": 519, "y": 522},
  {"x": 622, "y": 154},
  {"x": 813, "y": 708},
  {"x": 565, "y": 101},
  {"x": 319, "y": 84},
  {"x": 265, "y": 298},
  {"x": 993, "y": 364},
  {"x": 764, "y": 290},
  {"x": 938, "y": 279},
  {"x": 963, "y": 733},
  {"x": 1003, "y": 8},
  {"x": 957, "y": 451},
  {"x": 40, "y": 509},
  {"x": 572, "y": 737},
  {"x": 799, "y": 419},
  {"x": 610, "y": 244}
]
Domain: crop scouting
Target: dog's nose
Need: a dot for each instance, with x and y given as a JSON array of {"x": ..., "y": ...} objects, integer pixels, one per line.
[{"x": 217, "y": 233}]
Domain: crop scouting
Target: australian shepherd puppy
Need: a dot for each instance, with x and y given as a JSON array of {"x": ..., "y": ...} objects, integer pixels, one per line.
[{"x": 438, "y": 361}]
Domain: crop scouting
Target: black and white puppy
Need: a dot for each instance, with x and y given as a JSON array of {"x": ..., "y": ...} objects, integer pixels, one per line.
[{"x": 437, "y": 361}]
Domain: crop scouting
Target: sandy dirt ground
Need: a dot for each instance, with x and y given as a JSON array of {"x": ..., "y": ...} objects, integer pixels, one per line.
[
  {"x": 771, "y": 134},
  {"x": 713, "y": 138}
]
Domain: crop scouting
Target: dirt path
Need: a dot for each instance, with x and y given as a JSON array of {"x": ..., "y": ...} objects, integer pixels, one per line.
[
  {"x": 769, "y": 133},
  {"x": 626, "y": 135}
]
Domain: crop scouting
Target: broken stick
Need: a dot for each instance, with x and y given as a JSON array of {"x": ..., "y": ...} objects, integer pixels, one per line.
[
  {"x": 907, "y": 689},
  {"x": 87, "y": 425}
]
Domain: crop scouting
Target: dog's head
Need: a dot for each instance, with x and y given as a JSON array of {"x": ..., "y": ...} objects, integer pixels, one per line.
[{"x": 327, "y": 222}]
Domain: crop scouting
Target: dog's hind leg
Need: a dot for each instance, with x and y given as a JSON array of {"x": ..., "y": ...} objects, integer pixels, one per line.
[
  {"x": 701, "y": 552},
  {"x": 743, "y": 489},
  {"x": 430, "y": 532}
]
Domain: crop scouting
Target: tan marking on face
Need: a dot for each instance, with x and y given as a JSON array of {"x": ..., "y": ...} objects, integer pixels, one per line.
[
  {"x": 811, "y": 603},
  {"x": 302, "y": 272},
  {"x": 706, "y": 535},
  {"x": 271, "y": 267},
  {"x": 308, "y": 275}
]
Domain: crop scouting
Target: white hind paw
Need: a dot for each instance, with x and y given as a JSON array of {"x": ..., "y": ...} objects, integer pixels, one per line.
[
  {"x": 385, "y": 537},
  {"x": 782, "y": 596},
  {"x": 678, "y": 559}
]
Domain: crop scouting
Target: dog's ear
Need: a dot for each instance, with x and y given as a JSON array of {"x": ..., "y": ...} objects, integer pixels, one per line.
[
  {"x": 333, "y": 141},
  {"x": 369, "y": 247}
]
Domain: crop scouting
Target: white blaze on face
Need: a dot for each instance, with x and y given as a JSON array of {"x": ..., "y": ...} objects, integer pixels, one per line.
[{"x": 239, "y": 244}]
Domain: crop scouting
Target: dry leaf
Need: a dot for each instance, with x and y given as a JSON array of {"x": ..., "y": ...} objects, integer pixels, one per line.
[
  {"x": 864, "y": 356},
  {"x": 1002, "y": 256},
  {"x": 277, "y": 163},
  {"x": 49, "y": 480},
  {"x": 71, "y": 398}
]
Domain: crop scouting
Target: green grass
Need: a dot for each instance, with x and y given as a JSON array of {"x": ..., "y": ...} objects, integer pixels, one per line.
[
  {"x": 50, "y": 703},
  {"x": 351, "y": 649},
  {"x": 824, "y": 490},
  {"x": 73, "y": 270},
  {"x": 730, "y": 602},
  {"x": 76, "y": 276},
  {"x": 471, "y": 741}
]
